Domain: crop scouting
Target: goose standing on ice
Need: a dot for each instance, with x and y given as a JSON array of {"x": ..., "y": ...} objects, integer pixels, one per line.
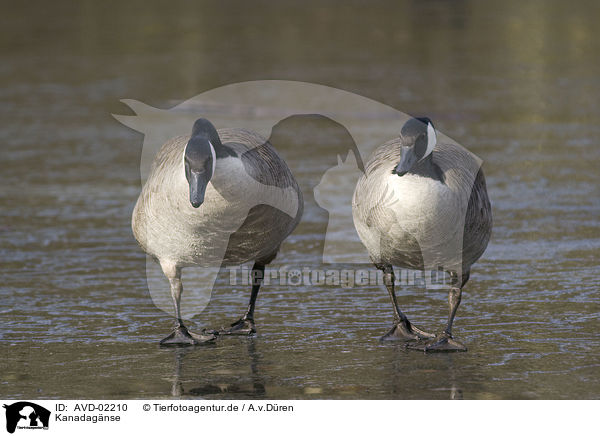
[
  {"x": 215, "y": 198},
  {"x": 423, "y": 205}
]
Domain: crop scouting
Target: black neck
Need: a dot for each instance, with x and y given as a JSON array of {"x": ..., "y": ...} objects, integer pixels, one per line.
[{"x": 428, "y": 168}]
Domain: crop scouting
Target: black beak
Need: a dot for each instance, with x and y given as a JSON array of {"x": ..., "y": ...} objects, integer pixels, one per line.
[
  {"x": 198, "y": 183},
  {"x": 407, "y": 160}
]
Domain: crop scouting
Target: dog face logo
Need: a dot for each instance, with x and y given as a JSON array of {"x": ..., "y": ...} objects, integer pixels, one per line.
[{"x": 26, "y": 415}]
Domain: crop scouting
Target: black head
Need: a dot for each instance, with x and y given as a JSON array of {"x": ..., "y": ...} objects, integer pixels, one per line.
[
  {"x": 418, "y": 140},
  {"x": 200, "y": 159}
]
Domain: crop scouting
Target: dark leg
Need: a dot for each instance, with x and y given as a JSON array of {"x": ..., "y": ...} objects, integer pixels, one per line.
[
  {"x": 444, "y": 341},
  {"x": 402, "y": 330},
  {"x": 245, "y": 325},
  {"x": 180, "y": 335}
]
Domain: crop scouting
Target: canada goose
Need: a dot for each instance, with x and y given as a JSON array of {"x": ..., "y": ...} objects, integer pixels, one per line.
[
  {"x": 423, "y": 205},
  {"x": 215, "y": 198}
]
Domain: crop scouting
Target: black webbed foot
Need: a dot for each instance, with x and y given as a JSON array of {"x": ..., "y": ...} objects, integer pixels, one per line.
[
  {"x": 181, "y": 336},
  {"x": 242, "y": 327},
  {"x": 405, "y": 331}
]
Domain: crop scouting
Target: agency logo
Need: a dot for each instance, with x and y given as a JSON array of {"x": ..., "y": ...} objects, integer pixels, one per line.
[{"x": 26, "y": 415}]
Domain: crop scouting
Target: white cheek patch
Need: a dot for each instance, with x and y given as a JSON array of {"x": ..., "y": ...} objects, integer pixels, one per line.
[
  {"x": 214, "y": 158},
  {"x": 431, "y": 139}
]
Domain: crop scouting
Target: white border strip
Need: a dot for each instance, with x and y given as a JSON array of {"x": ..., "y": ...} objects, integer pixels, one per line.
[{"x": 296, "y": 417}]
